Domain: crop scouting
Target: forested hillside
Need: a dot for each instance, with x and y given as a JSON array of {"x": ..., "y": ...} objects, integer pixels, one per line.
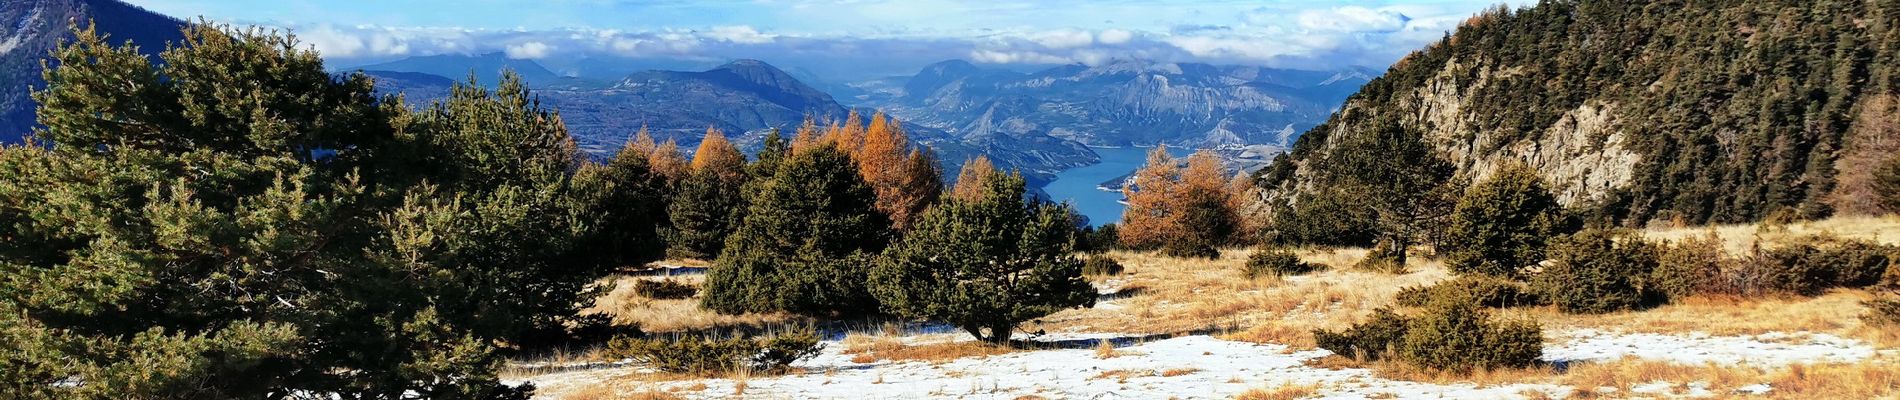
[
  {"x": 1634, "y": 111},
  {"x": 34, "y": 27}
]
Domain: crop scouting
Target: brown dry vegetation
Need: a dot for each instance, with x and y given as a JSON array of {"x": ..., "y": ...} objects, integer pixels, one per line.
[
  {"x": 674, "y": 315},
  {"x": 1190, "y": 295},
  {"x": 1283, "y": 392},
  {"x": 874, "y": 348}
]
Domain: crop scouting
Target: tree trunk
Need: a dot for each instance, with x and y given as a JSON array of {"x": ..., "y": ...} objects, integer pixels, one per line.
[{"x": 999, "y": 333}]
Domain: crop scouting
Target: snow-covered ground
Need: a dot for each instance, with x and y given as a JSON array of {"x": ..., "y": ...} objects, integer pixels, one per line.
[{"x": 1206, "y": 367}]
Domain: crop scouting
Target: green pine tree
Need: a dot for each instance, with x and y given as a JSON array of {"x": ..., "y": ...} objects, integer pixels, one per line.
[
  {"x": 1503, "y": 224},
  {"x": 985, "y": 264},
  {"x": 805, "y": 244}
]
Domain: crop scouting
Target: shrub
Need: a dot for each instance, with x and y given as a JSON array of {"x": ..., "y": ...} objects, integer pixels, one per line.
[
  {"x": 1190, "y": 249},
  {"x": 1690, "y": 267},
  {"x": 1276, "y": 262},
  {"x": 1855, "y": 263},
  {"x": 1101, "y": 265},
  {"x": 1597, "y": 271},
  {"x": 1448, "y": 336},
  {"x": 708, "y": 355},
  {"x": 1488, "y": 291},
  {"x": 1883, "y": 311},
  {"x": 664, "y": 289},
  {"x": 1503, "y": 224},
  {"x": 1384, "y": 257},
  {"x": 1371, "y": 340},
  {"x": 1462, "y": 337}
]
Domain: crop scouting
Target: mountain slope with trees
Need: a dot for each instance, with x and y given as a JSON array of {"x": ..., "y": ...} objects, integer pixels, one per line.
[
  {"x": 1676, "y": 111},
  {"x": 29, "y": 29}
]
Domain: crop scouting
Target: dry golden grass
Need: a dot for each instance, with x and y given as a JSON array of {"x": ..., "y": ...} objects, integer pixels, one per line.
[
  {"x": 1179, "y": 372},
  {"x": 1873, "y": 378},
  {"x": 1105, "y": 349},
  {"x": 1740, "y": 237},
  {"x": 1123, "y": 375},
  {"x": 869, "y": 349},
  {"x": 1283, "y": 392},
  {"x": 674, "y": 315},
  {"x": 1834, "y": 313},
  {"x": 1191, "y": 295}
]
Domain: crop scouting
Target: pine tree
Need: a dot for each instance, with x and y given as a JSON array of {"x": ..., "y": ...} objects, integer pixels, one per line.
[
  {"x": 237, "y": 222},
  {"x": 709, "y": 204},
  {"x": 1503, "y": 224},
  {"x": 985, "y": 265},
  {"x": 806, "y": 242},
  {"x": 1151, "y": 218},
  {"x": 1400, "y": 177}
]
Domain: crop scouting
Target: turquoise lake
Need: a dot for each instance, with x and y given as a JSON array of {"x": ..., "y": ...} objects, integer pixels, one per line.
[{"x": 1079, "y": 185}]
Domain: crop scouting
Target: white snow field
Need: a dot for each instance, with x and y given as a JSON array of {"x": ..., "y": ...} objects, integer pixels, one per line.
[{"x": 1205, "y": 367}]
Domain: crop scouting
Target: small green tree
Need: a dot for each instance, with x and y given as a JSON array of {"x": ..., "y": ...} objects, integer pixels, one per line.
[
  {"x": 1887, "y": 183},
  {"x": 985, "y": 264},
  {"x": 1503, "y": 224},
  {"x": 806, "y": 241},
  {"x": 1395, "y": 172}
]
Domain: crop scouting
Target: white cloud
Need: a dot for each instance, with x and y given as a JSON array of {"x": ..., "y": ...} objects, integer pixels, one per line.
[
  {"x": 1063, "y": 38},
  {"x": 529, "y": 50},
  {"x": 1017, "y": 57},
  {"x": 1115, "y": 36},
  {"x": 739, "y": 34},
  {"x": 1353, "y": 19}
]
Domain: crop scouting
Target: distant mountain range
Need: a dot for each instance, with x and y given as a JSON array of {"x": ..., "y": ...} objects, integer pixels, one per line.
[
  {"x": 1121, "y": 103},
  {"x": 1039, "y": 122},
  {"x": 31, "y": 28}
]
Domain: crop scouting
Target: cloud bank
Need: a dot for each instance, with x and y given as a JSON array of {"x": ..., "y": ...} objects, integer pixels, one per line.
[{"x": 895, "y": 37}]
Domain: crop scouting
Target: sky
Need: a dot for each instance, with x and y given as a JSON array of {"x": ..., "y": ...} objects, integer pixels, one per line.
[{"x": 870, "y": 36}]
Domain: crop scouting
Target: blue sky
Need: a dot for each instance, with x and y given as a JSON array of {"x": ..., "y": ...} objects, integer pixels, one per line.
[{"x": 1298, "y": 34}]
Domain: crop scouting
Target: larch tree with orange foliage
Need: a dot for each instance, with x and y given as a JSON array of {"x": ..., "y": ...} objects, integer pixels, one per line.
[
  {"x": 708, "y": 204},
  {"x": 667, "y": 161},
  {"x": 1184, "y": 212},
  {"x": 904, "y": 179},
  {"x": 1152, "y": 217},
  {"x": 973, "y": 179},
  {"x": 1206, "y": 209}
]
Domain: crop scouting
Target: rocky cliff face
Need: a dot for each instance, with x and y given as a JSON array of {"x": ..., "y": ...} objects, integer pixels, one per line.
[{"x": 1638, "y": 112}]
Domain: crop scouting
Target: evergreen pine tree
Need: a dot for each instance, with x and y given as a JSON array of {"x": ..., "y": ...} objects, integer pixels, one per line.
[
  {"x": 1503, "y": 224},
  {"x": 709, "y": 203},
  {"x": 806, "y": 242},
  {"x": 985, "y": 265},
  {"x": 237, "y": 222}
]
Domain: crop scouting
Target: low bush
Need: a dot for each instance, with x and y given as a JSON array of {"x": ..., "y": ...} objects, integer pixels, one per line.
[
  {"x": 1484, "y": 290},
  {"x": 710, "y": 355},
  {"x": 1462, "y": 337},
  {"x": 1276, "y": 262},
  {"x": 1597, "y": 271},
  {"x": 1190, "y": 249},
  {"x": 1372, "y": 340},
  {"x": 1690, "y": 267},
  {"x": 1101, "y": 265},
  {"x": 1883, "y": 311},
  {"x": 1448, "y": 336},
  {"x": 664, "y": 289}
]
